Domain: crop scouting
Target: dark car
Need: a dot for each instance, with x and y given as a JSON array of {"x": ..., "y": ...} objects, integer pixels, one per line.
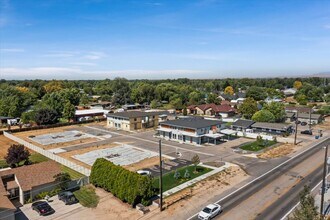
[
  {"x": 67, "y": 197},
  {"x": 309, "y": 132},
  {"x": 303, "y": 123},
  {"x": 42, "y": 207}
]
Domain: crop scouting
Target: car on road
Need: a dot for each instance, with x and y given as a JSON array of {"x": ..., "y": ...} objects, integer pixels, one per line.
[
  {"x": 67, "y": 197},
  {"x": 144, "y": 172},
  {"x": 42, "y": 207},
  {"x": 210, "y": 211},
  {"x": 309, "y": 132}
]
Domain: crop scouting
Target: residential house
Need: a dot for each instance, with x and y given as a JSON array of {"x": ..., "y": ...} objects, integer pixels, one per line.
[
  {"x": 133, "y": 120},
  {"x": 88, "y": 114},
  {"x": 224, "y": 111},
  {"x": 274, "y": 99},
  {"x": 242, "y": 125},
  {"x": 191, "y": 130},
  {"x": 4, "y": 120},
  {"x": 272, "y": 128},
  {"x": 289, "y": 92},
  {"x": 299, "y": 109},
  {"x": 26, "y": 182},
  {"x": 236, "y": 97}
]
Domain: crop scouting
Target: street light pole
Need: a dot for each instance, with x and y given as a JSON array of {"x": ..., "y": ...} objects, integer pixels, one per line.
[
  {"x": 160, "y": 177},
  {"x": 296, "y": 130},
  {"x": 323, "y": 181}
]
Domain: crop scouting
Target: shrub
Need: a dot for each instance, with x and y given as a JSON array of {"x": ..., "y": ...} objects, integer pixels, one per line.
[{"x": 128, "y": 186}]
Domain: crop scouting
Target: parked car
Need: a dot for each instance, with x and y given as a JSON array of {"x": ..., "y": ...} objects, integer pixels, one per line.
[
  {"x": 303, "y": 123},
  {"x": 67, "y": 197},
  {"x": 42, "y": 207},
  {"x": 144, "y": 172},
  {"x": 209, "y": 212},
  {"x": 308, "y": 132}
]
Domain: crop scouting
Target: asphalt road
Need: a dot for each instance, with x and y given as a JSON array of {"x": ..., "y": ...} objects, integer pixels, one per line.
[{"x": 286, "y": 201}]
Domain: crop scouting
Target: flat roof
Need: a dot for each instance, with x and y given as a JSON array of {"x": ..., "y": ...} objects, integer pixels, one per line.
[
  {"x": 274, "y": 126},
  {"x": 91, "y": 111},
  {"x": 193, "y": 123},
  {"x": 134, "y": 114}
]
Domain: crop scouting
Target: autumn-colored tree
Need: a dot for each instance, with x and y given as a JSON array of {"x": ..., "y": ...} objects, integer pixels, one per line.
[
  {"x": 297, "y": 84},
  {"x": 53, "y": 86},
  {"x": 229, "y": 90},
  {"x": 22, "y": 89}
]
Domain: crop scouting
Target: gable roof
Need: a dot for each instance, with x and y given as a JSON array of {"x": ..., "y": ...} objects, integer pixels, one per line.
[
  {"x": 34, "y": 175},
  {"x": 192, "y": 122},
  {"x": 243, "y": 123},
  {"x": 300, "y": 109},
  {"x": 225, "y": 108}
]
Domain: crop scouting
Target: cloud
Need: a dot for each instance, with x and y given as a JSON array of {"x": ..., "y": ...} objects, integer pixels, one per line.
[
  {"x": 327, "y": 26},
  {"x": 12, "y": 50},
  {"x": 83, "y": 64},
  {"x": 94, "y": 55}
]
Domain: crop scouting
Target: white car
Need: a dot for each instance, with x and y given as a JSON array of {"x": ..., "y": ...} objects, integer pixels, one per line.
[
  {"x": 209, "y": 211},
  {"x": 144, "y": 172}
]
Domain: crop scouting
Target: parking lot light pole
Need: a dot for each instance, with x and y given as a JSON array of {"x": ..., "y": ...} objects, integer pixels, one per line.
[
  {"x": 160, "y": 177},
  {"x": 323, "y": 180}
]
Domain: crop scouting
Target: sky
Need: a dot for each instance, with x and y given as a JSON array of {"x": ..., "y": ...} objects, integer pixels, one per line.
[{"x": 157, "y": 39}]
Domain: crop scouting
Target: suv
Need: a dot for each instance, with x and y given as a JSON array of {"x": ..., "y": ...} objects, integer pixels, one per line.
[
  {"x": 42, "y": 207},
  {"x": 67, "y": 197}
]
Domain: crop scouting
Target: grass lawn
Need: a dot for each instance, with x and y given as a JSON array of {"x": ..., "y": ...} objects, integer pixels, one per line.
[
  {"x": 73, "y": 174},
  {"x": 257, "y": 145},
  {"x": 170, "y": 182},
  {"x": 87, "y": 196},
  {"x": 34, "y": 158}
]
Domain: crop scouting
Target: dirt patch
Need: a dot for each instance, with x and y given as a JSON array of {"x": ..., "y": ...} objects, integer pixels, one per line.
[
  {"x": 148, "y": 162},
  {"x": 5, "y": 143},
  {"x": 279, "y": 151}
]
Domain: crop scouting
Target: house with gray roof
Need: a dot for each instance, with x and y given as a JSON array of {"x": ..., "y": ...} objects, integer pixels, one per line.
[
  {"x": 191, "y": 130},
  {"x": 304, "y": 117},
  {"x": 272, "y": 128},
  {"x": 242, "y": 124}
]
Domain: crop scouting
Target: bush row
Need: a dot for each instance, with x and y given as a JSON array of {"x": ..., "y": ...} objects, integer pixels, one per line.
[{"x": 128, "y": 186}]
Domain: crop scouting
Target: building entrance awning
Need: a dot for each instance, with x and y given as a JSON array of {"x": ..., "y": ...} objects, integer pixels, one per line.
[
  {"x": 228, "y": 132},
  {"x": 214, "y": 136}
]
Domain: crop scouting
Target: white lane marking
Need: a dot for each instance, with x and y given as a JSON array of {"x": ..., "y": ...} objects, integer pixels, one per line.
[{"x": 262, "y": 175}]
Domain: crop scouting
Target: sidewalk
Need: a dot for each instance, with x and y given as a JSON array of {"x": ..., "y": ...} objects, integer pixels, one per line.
[{"x": 197, "y": 179}]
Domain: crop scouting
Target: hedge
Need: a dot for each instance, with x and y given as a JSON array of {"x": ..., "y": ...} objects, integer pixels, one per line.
[{"x": 128, "y": 186}]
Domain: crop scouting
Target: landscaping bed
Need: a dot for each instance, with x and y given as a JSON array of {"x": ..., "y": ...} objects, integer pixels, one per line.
[
  {"x": 169, "y": 181},
  {"x": 87, "y": 196},
  {"x": 257, "y": 145}
]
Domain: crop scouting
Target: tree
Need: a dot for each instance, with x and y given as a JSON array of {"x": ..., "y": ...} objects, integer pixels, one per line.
[
  {"x": 277, "y": 109},
  {"x": 327, "y": 98},
  {"x": 301, "y": 99},
  {"x": 84, "y": 99},
  {"x": 54, "y": 101},
  {"x": 46, "y": 116},
  {"x": 212, "y": 98},
  {"x": 248, "y": 108},
  {"x": 257, "y": 93},
  {"x": 28, "y": 117},
  {"x": 53, "y": 86},
  {"x": 176, "y": 102},
  {"x": 63, "y": 180},
  {"x": 195, "y": 98},
  {"x": 195, "y": 160},
  {"x": 154, "y": 104},
  {"x": 229, "y": 90},
  {"x": 185, "y": 111},
  {"x": 263, "y": 116},
  {"x": 16, "y": 154},
  {"x": 69, "y": 111},
  {"x": 297, "y": 84},
  {"x": 121, "y": 91},
  {"x": 186, "y": 174},
  {"x": 307, "y": 209},
  {"x": 143, "y": 92}
]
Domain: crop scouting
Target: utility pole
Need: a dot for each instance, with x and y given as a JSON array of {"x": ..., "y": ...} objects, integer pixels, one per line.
[
  {"x": 323, "y": 181},
  {"x": 310, "y": 119},
  {"x": 160, "y": 177},
  {"x": 296, "y": 130}
]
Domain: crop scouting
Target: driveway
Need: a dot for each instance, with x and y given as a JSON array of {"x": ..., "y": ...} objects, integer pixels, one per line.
[{"x": 25, "y": 212}]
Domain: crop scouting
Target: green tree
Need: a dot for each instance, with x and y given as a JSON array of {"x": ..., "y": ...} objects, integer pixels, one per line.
[
  {"x": 195, "y": 98},
  {"x": 327, "y": 98},
  {"x": 257, "y": 93},
  {"x": 301, "y": 99},
  {"x": 143, "y": 92},
  {"x": 28, "y": 117},
  {"x": 277, "y": 109},
  {"x": 307, "y": 209},
  {"x": 69, "y": 111},
  {"x": 84, "y": 99},
  {"x": 195, "y": 160},
  {"x": 185, "y": 112},
  {"x": 248, "y": 108},
  {"x": 154, "y": 104},
  {"x": 121, "y": 91},
  {"x": 46, "y": 116},
  {"x": 54, "y": 101},
  {"x": 212, "y": 98},
  {"x": 62, "y": 179},
  {"x": 263, "y": 116},
  {"x": 176, "y": 102}
]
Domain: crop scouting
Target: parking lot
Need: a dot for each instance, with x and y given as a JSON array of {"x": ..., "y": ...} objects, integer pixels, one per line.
[{"x": 26, "y": 213}]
